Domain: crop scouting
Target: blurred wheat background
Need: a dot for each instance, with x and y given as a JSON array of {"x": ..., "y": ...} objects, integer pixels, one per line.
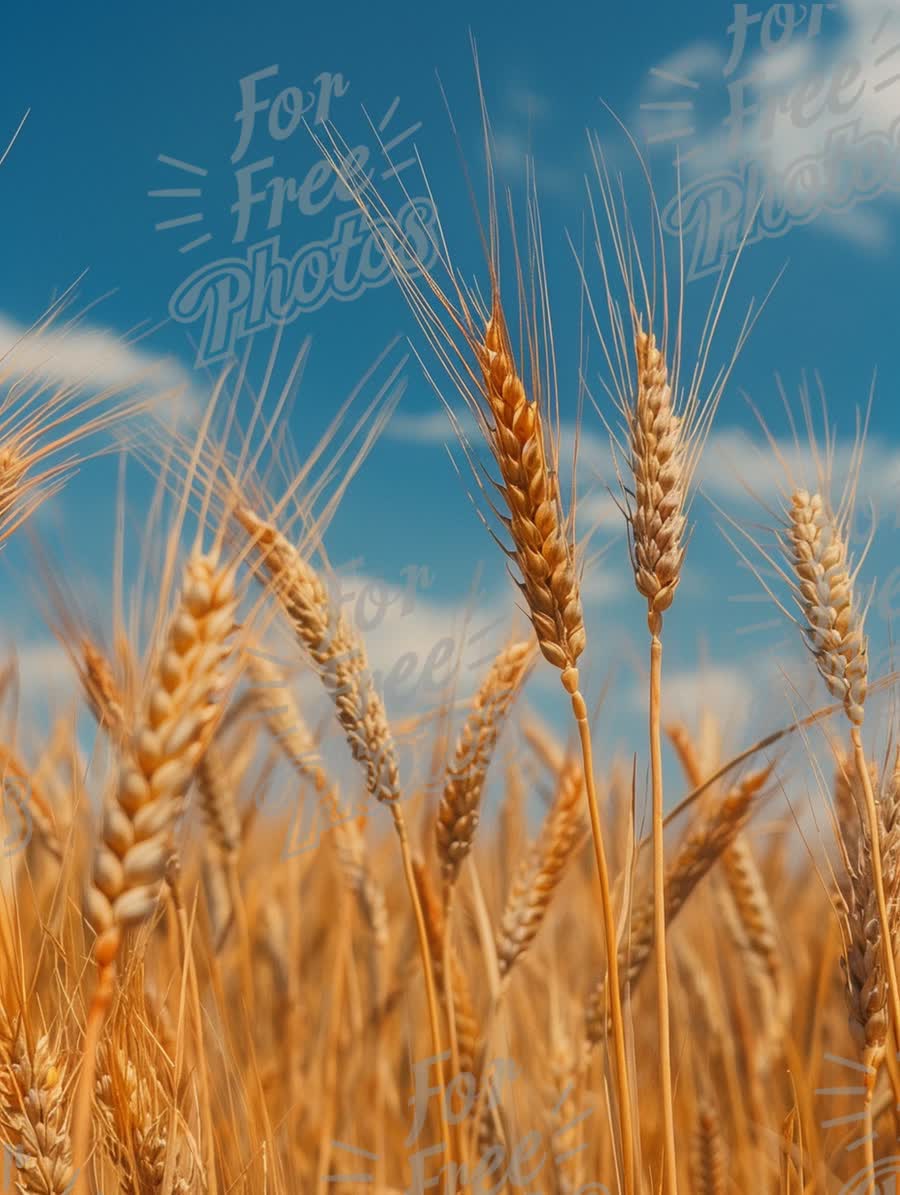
[{"x": 524, "y": 821}]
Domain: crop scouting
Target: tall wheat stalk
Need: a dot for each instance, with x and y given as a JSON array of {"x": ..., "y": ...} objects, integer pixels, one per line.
[
  {"x": 812, "y": 558},
  {"x": 664, "y": 426},
  {"x": 338, "y": 654},
  {"x": 834, "y": 632},
  {"x": 518, "y": 419},
  {"x": 170, "y": 725}
]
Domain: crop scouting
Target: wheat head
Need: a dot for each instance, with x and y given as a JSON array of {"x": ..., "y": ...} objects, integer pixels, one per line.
[
  {"x": 517, "y": 436},
  {"x": 336, "y": 650},
  {"x": 832, "y": 622},
  {"x": 658, "y": 463},
  {"x": 35, "y": 1111},
  {"x": 173, "y": 731},
  {"x": 460, "y": 804}
]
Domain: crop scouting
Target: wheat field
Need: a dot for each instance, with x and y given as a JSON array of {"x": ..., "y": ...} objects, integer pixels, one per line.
[{"x": 531, "y": 970}]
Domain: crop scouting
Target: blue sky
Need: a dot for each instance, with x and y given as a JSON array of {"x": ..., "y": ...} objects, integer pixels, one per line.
[{"x": 111, "y": 92}]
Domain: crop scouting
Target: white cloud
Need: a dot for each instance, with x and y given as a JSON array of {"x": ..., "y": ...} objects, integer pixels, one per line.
[
  {"x": 433, "y": 428},
  {"x": 862, "y": 226},
  {"x": 818, "y": 116},
  {"x": 82, "y": 356},
  {"x": 512, "y": 149},
  {"x": 749, "y": 693},
  {"x": 735, "y": 461},
  {"x": 687, "y": 692},
  {"x": 47, "y": 680},
  {"x": 600, "y": 512},
  {"x": 523, "y": 101}
]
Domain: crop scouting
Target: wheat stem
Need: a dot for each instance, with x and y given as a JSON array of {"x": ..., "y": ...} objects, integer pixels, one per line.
[
  {"x": 579, "y": 708},
  {"x": 425, "y": 952},
  {"x": 84, "y": 1093},
  {"x": 659, "y": 911}
]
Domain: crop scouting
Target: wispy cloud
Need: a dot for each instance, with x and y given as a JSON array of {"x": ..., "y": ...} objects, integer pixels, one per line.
[
  {"x": 82, "y": 355},
  {"x": 736, "y": 464},
  {"x": 804, "y": 122},
  {"x": 433, "y": 428},
  {"x": 749, "y": 692},
  {"x": 47, "y": 679},
  {"x": 525, "y": 102},
  {"x": 740, "y": 467}
]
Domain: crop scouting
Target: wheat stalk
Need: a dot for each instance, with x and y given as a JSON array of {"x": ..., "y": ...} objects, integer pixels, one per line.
[
  {"x": 510, "y": 411},
  {"x": 340, "y": 659},
  {"x": 832, "y": 623},
  {"x": 664, "y": 430},
  {"x": 659, "y": 465},
  {"x": 515, "y": 432}
]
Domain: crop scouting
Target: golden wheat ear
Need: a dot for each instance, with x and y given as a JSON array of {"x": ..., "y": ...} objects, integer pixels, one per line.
[
  {"x": 35, "y": 1110},
  {"x": 807, "y": 554},
  {"x": 509, "y": 391},
  {"x": 543, "y": 868},
  {"x": 460, "y": 803},
  {"x": 84, "y": 642},
  {"x": 142, "y": 1129},
  {"x": 863, "y": 960}
]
